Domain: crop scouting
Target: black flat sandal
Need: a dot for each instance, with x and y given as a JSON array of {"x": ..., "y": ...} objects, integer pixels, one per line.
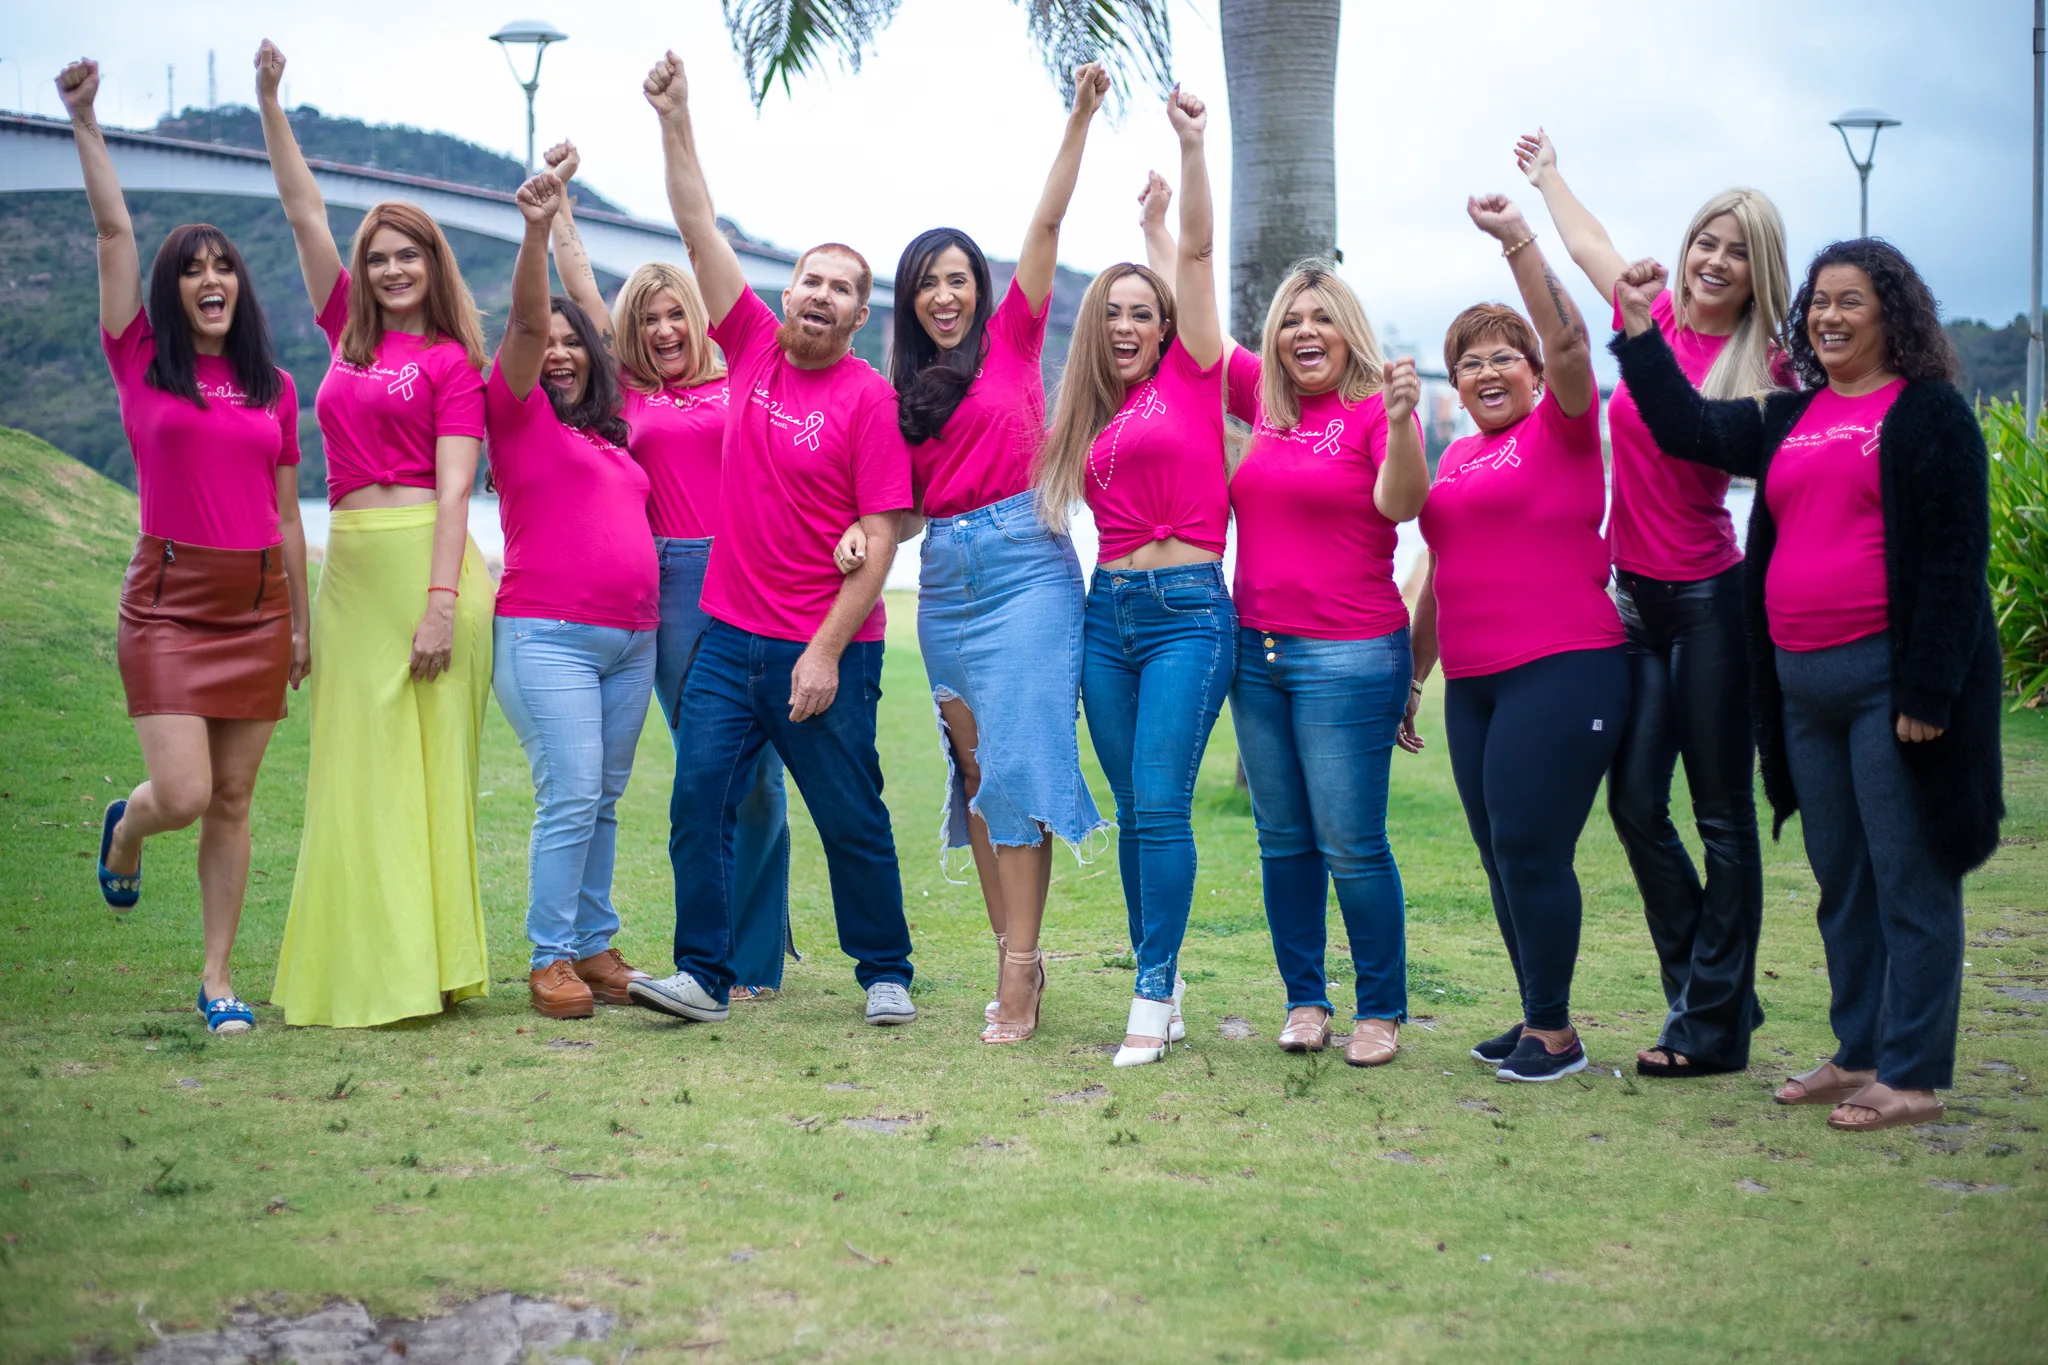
[{"x": 1671, "y": 1069}]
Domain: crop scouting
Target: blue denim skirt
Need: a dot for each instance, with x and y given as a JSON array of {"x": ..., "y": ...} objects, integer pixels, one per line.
[{"x": 999, "y": 610}]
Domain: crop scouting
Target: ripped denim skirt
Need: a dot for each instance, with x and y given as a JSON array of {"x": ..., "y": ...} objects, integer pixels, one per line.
[{"x": 999, "y": 612}]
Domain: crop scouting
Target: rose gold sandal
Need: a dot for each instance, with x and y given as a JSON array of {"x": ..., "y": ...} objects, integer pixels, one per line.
[
  {"x": 1373, "y": 1042},
  {"x": 1307, "y": 1030},
  {"x": 1004, "y": 1031},
  {"x": 988, "y": 1011},
  {"x": 1891, "y": 1108},
  {"x": 1825, "y": 1084}
]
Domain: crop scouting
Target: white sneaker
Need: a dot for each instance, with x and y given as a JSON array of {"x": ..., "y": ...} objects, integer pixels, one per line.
[
  {"x": 889, "y": 1003},
  {"x": 679, "y": 995},
  {"x": 1148, "y": 1019}
]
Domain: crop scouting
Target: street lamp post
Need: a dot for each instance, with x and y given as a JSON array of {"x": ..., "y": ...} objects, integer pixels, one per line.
[
  {"x": 2034, "y": 358},
  {"x": 1876, "y": 121},
  {"x": 536, "y": 34}
]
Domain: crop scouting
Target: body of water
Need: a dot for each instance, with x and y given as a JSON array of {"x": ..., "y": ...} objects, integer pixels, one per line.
[{"x": 490, "y": 536}]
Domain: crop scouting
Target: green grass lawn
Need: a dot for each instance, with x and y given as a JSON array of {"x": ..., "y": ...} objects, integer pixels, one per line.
[{"x": 706, "y": 1183}]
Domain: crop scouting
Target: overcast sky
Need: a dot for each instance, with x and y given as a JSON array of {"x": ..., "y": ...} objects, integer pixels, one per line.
[{"x": 1653, "y": 106}]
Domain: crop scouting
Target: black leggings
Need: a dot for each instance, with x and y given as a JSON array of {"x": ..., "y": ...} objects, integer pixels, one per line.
[
  {"x": 1529, "y": 746},
  {"x": 1689, "y": 672}
]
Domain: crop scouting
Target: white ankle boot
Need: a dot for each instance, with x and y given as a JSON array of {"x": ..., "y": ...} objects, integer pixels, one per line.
[{"x": 1148, "y": 1019}]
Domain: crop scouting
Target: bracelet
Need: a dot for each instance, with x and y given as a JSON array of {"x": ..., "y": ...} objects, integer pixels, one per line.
[
  {"x": 1508, "y": 252},
  {"x": 1415, "y": 685},
  {"x": 436, "y": 587}
]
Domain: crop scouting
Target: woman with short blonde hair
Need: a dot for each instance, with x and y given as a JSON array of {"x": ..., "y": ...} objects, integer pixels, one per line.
[{"x": 1678, "y": 582}]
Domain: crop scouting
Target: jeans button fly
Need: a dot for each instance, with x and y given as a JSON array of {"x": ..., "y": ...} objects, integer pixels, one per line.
[{"x": 1270, "y": 656}]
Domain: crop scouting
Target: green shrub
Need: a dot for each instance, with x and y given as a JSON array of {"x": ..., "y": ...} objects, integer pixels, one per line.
[{"x": 2019, "y": 550}]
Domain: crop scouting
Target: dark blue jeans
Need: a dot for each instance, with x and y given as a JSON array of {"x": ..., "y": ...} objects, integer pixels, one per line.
[
  {"x": 1891, "y": 921},
  {"x": 735, "y": 702},
  {"x": 1529, "y": 746},
  {"x": 760, "y": 846},
  {"x": 1316, "y": 721},
  {"x": 1161, "y": 645}
]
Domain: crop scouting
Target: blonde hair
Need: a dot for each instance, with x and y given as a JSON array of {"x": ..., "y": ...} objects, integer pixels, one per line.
[
  {"x": 451, "y": 311},
  {"x": 1743, "y": 369},
  {"x": 1091, "y": 392},
  {"x": 1279, "y": 400},
  {"x": 629, "y": 338}
]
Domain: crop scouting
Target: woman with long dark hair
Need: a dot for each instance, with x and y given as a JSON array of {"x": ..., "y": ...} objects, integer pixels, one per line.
[
  {"x": 1536, "y": 688},
  {"x": 578, "y": 608},
  {"x": 1678, "y": 583},
  {"x": 999, "y": 603},
  {"x": 213, "y": 608},
  {"x": 1874, "y": 663},
  {"x": 1137, "y": 434},
  {"x": 673, "y": 395},
  {"x": 387, "y": 920}
]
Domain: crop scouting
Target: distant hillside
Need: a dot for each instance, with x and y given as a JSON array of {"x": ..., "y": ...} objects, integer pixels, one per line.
[
  {"x": 384, "y": 146},
  {"x": 1994, "y": 358}
]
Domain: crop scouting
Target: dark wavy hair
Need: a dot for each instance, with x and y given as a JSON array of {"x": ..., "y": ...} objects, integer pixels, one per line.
[
  {"x": 598, "y": 409},
  {"x": 248, "y": 344},
  {"x": 929, "y": 382},
  {"x": 1914, "y": 343}
]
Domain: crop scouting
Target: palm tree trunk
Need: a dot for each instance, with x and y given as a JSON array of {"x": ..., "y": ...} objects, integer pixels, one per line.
[{"x": 1280, "y": 62}]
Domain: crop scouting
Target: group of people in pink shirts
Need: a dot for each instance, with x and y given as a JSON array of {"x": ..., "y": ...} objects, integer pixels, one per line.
[{"x": 702, "y": 500}]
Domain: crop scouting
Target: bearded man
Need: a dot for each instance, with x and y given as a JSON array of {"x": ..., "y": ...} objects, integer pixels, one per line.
[{"x": 793, "y": 656}]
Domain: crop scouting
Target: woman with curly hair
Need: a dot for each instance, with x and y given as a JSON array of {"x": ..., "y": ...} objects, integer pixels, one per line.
[
  {"x": 578, "y": 609},
  {"x": 1873, "y": 652}
]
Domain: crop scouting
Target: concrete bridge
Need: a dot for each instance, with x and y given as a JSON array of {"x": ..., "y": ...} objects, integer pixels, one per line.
[{"x": 36, "y": 154}]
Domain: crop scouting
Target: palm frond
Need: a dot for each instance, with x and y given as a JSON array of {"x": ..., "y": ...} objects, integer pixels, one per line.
[
  {"x": 777, "y": 40},
  {"x": 1129, "y": 37}
]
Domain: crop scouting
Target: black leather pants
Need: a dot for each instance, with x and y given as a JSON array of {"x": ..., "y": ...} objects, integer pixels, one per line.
[{"x": 1690, "y": 676}]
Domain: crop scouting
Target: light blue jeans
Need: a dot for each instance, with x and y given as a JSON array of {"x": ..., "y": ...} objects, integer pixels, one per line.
[
  {"x": 576, "y": 696},
  {"x": 1316, "y": 721}
]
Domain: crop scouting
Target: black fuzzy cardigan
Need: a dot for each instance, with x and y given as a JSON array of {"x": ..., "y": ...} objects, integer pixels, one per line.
[{"x": 1937, "y": 531}]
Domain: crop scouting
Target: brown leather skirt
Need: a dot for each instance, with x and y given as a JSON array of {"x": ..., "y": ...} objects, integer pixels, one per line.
[{"x": 205, "y": 632}]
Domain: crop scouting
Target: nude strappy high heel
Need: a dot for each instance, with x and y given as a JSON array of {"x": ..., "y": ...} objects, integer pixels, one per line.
[
  {"x": 988, "y": 1011},
  {"x": 1000, "y": 1030}
]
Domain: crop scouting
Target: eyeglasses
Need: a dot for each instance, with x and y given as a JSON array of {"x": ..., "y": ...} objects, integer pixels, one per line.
[{"x": 1500, "y": 362}]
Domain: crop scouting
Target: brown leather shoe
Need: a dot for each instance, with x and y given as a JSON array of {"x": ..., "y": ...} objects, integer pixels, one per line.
[
  {"x": 559, "y": 993},
  {"x": 1373, "y": 1042},
  {"x": 607, "y": 974}
]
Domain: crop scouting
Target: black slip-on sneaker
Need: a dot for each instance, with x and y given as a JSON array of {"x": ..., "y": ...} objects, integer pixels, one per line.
[
  {"x": 1532, "y": 1060},
  {"x": 1494, "y": 1051}
]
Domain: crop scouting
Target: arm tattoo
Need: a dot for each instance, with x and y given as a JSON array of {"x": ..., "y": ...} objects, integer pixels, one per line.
[{"x": 1565, "y": 317}]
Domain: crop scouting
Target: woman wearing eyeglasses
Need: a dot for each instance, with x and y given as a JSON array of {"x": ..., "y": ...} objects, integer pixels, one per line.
[{"x": 1536, "y": 684}]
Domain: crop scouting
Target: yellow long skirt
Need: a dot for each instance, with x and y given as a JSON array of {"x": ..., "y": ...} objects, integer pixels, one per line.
[{"x": 386, "y": 914}]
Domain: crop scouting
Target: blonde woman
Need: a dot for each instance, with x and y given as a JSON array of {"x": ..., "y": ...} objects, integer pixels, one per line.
[
  {"x": 386, "y": 920},
  {"x": 673, "y": 386},
  {"x": 1137, "y": 433},
  {"x": 1323, "y": 660},
  {"x": 1678, "y": 582}
]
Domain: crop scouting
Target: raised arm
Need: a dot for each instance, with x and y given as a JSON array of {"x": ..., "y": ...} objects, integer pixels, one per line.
[
  {"x": 526, "y": 326},
  {"x": 1402, "y": 485},
  {"x": 1588, "y": 244},
  {"x": 120, "y": 264},
  {"x": 1161, "y": 251},
  {"x": 319, "y": 258},
  {"x": 1567, "y": 350},
  {"x": 572, "y": 262},
  {"x": 1038, "y": 258},
  {"x": 1726, "y": 434},
  {"x": 1194, "y": 278},
  {"x": 717, "y": 266}
]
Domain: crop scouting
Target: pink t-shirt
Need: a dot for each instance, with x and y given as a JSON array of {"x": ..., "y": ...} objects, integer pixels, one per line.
[
  {"x": 207, "y": 475},
  {"x": 1514, "y": 518},
  {"x": 676, "y": 438},
  {"x": 984, "y": 454},
  {"x": 1314, "y": 555},
  {"x": 1670, "y": 517},
  {"x": 574, "y": 509},
  {"x": 380, "y": 422},
  {"x": 807, "y": 452},
  {"x": 1826, "y": 584},
  {"x": 1156, "y": 471}
]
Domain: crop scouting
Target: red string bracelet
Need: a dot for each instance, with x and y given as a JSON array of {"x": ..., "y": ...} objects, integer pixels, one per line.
[{"x": 435, "y": 587}]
